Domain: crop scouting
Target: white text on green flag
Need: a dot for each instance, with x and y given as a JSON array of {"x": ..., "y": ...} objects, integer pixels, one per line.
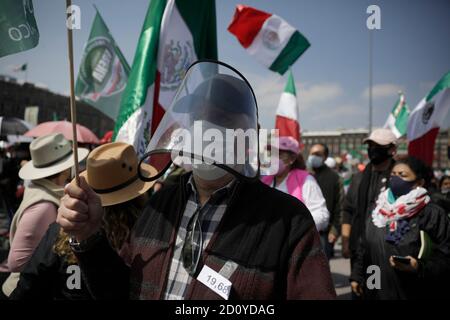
[
  {"x": 103, "y": 71},
  {"x": 18, "y": 28}
]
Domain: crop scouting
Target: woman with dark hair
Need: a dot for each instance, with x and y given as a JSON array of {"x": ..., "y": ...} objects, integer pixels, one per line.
[
  {"x": 52, "y": 271},
  {"x": 442, "y": 195},
  {"x": 292, "y": 178},
  {"x": 404, "y": 251},
  {"x": 444, "y": 184}
]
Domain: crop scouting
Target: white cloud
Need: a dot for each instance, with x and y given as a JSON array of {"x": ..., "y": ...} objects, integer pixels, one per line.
[
  {"x": 383, "y": 90},
  {"x": 341, "y": 111},
  {"x": 320, "y": 96},
  {"x": 319, "y": 93},
  {"x": 268, "y": 92},
  {"x": 322, "y": 105}
]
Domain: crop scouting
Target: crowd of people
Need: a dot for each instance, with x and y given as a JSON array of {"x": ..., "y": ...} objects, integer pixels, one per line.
[{"x": 139, "y": 232}]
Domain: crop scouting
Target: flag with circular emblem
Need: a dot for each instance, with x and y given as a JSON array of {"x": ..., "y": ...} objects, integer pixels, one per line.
[
  {"x": 268, "y": 38},
  {"x": 175, "y": 34},
  {"x": 426, "y": 119},
  {"x": 103, "y": 71}
]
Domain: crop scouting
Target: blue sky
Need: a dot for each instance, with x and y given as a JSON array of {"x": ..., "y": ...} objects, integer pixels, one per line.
[{"x": 411, "y": 53}]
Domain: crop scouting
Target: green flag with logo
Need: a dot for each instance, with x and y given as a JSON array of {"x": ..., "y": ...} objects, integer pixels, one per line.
[
  {"x": 18, "y": 28},
  {"x": 103, "y": 71}
]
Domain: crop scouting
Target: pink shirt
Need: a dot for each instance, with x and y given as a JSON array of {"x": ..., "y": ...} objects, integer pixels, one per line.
[{"x": 30, "y": 231}]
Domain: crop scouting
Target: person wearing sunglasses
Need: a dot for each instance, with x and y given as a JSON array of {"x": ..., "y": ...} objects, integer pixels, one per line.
[{"x": 219, "y": 233}]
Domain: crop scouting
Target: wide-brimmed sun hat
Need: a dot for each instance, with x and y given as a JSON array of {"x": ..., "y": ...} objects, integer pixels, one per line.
[
  {"x": 112, "y": 172},
  {"x": 50, "y": 154}
]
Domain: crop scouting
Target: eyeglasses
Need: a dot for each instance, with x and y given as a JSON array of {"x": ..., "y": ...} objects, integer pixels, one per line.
[{"x": 193, "y": 244}]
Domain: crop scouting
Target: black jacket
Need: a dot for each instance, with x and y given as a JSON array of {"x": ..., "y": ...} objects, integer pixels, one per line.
[
  {"x": 362, "y": 194},
  {"x": 333, "y": 190},
  {"x": 45, "y": 275},
  {"x": 269, "y": 235},
  {"x": 442, "y": 200},
  {"x": 432, "y": 279}
]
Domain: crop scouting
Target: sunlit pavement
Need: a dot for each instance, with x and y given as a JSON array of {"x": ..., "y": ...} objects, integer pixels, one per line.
[{"x": 340, "y": 270}]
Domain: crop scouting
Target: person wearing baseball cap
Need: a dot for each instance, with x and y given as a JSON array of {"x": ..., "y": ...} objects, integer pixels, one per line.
[
  {"x": 48, "y": 171},
  {"x": 381, "y": 146},
  {"x": 293, "y": 179},
  {"x": 364, "y": 190}
]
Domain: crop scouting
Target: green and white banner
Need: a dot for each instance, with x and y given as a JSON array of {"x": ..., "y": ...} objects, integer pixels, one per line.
[
  {"x": 397, "y": 120},
  {"x": 103, "y": 71},
  {"x": 18, "y": 28}
]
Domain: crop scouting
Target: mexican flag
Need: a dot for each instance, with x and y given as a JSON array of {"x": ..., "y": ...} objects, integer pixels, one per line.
[
  {"x": 397, "y": 120},
  {"x": 175, "y": 34},
  {"x": 18, "y": 28},
  {"x": 268, "y": 38},
  {"x": 287, "y": 112},
  {"x": 426, "y": 119},
  {"x": 103, "y": 71}
]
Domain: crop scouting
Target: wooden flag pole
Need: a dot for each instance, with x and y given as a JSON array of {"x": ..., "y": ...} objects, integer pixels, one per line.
[{"x": 73, "y": 107}]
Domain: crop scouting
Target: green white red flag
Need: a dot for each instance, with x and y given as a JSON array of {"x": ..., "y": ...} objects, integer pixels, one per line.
[
  {"x": 426, "y": 119},
  {"x": 268, "y": 38},
  {"x": 287, "y": 120},
  {"x": 397, "y": 120},
  {"x": 175, "y": 34}
]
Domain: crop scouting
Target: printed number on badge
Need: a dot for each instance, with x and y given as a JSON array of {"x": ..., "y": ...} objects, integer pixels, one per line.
[{"x": 215, "y": 281}]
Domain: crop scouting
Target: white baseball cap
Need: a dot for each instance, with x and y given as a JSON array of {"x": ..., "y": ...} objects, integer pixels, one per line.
[{"x": 382, "y": 136}]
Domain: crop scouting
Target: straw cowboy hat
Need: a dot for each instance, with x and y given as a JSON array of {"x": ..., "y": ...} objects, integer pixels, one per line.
[
  {"x": 111, "y": 171},
  {"x": 50, "y": 154}
]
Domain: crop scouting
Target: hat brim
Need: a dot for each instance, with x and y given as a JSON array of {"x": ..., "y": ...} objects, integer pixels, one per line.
[
  {"x": 381, "y": 143},
  {"x": 30, "y": 172},
  {"x": 129, "y": 192}
]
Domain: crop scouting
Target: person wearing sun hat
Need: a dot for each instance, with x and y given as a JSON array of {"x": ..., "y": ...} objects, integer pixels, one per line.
[
  {"x": 118, "y": 158},
  {"x": 217, "y": 218},
  {"x": 293, "y": 179},
  {"x": 48, "y": 171},
  {"x": 111, "y": 170}
]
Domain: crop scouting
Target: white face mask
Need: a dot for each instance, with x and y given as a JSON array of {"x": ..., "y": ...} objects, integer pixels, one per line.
[
  {"x": 314, "y": 161},
  {"x": 208, "y": 171}
]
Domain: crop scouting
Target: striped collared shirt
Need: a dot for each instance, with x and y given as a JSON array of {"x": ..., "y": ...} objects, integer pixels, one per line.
[{"x": 210, "y": 216}]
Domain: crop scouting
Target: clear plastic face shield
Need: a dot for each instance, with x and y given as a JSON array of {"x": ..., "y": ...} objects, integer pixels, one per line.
[{"x": 211, "y": 126}]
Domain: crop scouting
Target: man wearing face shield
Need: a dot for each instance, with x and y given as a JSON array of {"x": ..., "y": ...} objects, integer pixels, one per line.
[
  {"x": 218, "y": 222},
  {"x": 365, "y": 188}
]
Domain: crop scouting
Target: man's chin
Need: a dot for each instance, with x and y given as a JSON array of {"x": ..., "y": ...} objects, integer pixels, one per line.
[{"x": 221, "y": 181}]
